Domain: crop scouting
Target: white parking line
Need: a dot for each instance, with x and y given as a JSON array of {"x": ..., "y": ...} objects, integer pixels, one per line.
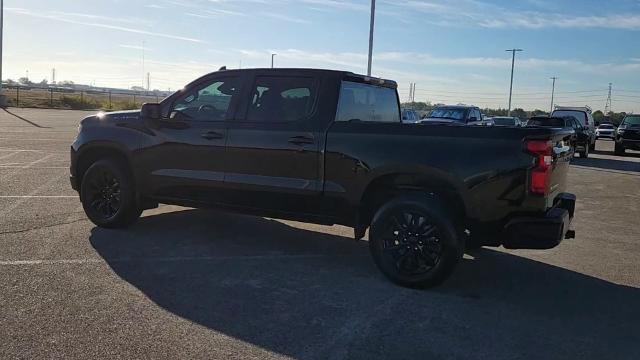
[
  {"x": 8, "y": 155},
  {"x": 35, "y": 150},
  {"x": 38, "y": 196},
  {"x": 66, "y": 140},
  {"x": 167, "y": 259},
  {"x": 2, "y": 166},
  {"x": 26, "y": 166}
]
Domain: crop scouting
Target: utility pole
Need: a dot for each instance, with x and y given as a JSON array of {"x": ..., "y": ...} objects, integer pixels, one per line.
[
  {"x": 553, "y": 90},
  {"x": 272, "y": 56},
  {"x": 608, "y": 106},
  {"x": 53, "y": 75},
  {"x": 143, "y": 63},
  {"x": 410, "y": 91},
  {"x": 148, "y": 81},
  {"x": 413, "y": 93},
  {"x": 513, "y": 61},
  {"x": 371, "y": 25}
]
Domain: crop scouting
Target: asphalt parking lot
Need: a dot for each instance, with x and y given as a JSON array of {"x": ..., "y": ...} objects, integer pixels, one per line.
[{"x": 185, "y": 283}]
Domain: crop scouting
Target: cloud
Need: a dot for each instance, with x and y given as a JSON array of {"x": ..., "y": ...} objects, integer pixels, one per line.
[
  {"x": 285, "y": 18},
  {"x": 134, "y": 47},
  {"x": 66, "y": 19},
  {"x": 487, "y": 15}
]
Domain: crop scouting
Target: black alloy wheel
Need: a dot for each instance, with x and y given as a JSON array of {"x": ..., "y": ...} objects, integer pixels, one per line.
[
  {"x": 104, "y": 194},
  {"x": 411, "y": 242},
  {"x": 108, "y": 194},
  {"x": 414, "y": 241}
]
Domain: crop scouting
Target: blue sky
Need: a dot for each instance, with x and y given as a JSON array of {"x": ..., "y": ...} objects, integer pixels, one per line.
[{"x": 452, "y": 49}]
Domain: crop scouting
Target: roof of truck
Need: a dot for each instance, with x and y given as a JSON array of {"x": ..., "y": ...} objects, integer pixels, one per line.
[{"x": 346, "y": 74}]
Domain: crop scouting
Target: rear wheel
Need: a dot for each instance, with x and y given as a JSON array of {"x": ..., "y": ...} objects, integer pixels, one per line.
[
  {"x": 414, "y": 242},
  {"x": 584, "y": 153},
  {"x": 619, "y": 149},
  {"x": 108, "y": 195}
]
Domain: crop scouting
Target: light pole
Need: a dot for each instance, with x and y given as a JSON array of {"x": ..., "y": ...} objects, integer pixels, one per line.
[
  {"x": 513, "y": 61},
  {"x": 553, "y": 91},
  {"x": 371, "y": 23},
  {"x": 3, "y": 100},
  {"x": 272, "y": 56}
]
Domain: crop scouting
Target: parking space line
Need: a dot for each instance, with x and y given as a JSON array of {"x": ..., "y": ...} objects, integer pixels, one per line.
[
  {"x": 35, "y": 150},
  {"x": 31, "y": 167},
  {"x": 65, "y": 140},
  {"x": 169, "y": 259},
  {"x": 38, "y": 196},
  {"x": 8, "y": 155},
  {"x": 26, "y": 166},
  {"x": 11, "y": 207}
]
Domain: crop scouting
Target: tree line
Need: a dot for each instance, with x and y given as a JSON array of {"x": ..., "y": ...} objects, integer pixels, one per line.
[{"x": 598, "y": 115}]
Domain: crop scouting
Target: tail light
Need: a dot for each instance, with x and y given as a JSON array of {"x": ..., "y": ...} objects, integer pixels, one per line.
[{"x": 541, "y": 173}]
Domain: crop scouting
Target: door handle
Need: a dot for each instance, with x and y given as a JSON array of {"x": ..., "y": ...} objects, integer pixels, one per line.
[
  {"x": 212, "y": 135},
  {"x": 302, "y": 140}
]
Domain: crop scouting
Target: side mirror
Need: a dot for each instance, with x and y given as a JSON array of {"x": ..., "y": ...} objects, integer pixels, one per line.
[{"x": 151, "y": 111}]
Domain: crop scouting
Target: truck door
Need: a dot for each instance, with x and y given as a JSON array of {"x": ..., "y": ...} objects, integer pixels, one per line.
[
  {"x": 273, "y": 147},
  {"x": 189, "y": 162}
]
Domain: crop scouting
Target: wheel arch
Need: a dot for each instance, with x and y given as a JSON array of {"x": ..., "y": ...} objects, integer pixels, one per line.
[
  {"x": 388, "y": 186},
  {"x": 92, "y": 152}
]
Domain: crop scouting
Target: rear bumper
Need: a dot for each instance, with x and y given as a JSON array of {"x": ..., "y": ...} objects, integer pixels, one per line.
[
  {"x": 606, "y": 135},
  {"x": 629, "y": 143},
  {"x": 545, "y": 231}
]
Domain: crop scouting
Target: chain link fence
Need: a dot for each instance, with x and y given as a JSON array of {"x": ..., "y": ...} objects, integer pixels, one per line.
[{"x": 67, "y": 98}]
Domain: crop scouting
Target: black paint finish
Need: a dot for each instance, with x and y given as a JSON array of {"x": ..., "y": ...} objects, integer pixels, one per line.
[{"x": 316, "y": 169}]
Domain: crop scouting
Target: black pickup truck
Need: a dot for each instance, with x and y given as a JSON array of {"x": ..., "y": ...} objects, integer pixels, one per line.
[{"x": 328, "y": 147}]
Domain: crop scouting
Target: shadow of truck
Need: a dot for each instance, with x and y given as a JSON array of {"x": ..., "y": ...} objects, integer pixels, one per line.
[{"x": 312, "y": 295}]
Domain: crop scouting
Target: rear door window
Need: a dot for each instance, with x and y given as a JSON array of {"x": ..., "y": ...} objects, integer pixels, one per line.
[
  {"x": 579, "y": 115},
  {"x": 364, "y": 102},
  {"x": 282, "y": 99}
]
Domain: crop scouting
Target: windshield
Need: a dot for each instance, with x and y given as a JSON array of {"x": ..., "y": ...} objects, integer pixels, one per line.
[
  {"x": 448, "y": 114},
  {"x": 504, "y": 121},
  {"x": 631, "y": 120}
]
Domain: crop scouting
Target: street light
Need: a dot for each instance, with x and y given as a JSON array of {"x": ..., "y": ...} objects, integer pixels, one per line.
[
  {"x": 513, "y": 60},
  {"x": 272, "y": 56},
  {"x": 371, "y": 23},
  {"x": 3, "y": 99}
]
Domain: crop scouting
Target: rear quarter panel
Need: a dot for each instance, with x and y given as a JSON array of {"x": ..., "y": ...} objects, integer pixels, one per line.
[{"x": 486, "y": 166}]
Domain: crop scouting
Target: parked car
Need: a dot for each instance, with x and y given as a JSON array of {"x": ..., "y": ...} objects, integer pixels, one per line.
[
  {"x": 582, "y": 133},
  {"x": 410, "y": 116},
  {"x": 628, "y": 134},
  {"x": 507, "y": 121},
  {"x": 606, "y": 131},
  {"x": 455, "y": 114},
  {"x": 328, "y": 147},
  {"x": 583, "y": 115}
]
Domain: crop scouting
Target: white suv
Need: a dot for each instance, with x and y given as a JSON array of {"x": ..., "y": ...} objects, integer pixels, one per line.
[{"x": 583, "y": 114}]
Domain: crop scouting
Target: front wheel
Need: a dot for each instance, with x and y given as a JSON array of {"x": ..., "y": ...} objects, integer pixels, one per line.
[
  {"x": 414, "y": 242},
  {"x": 584, "y": 153},
  {"x": 108, "y": 195},
  {"x": 619, "y": 149}
]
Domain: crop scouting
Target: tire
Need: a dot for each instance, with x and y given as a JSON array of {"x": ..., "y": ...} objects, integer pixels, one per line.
[
  {"x": 592, "y": 147},
  {"x": 585, "y": 153},
  {"x": 414, "y": 241},
  {"x": 108, "y": 194},
  {"x": 619, "y": 149}
]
